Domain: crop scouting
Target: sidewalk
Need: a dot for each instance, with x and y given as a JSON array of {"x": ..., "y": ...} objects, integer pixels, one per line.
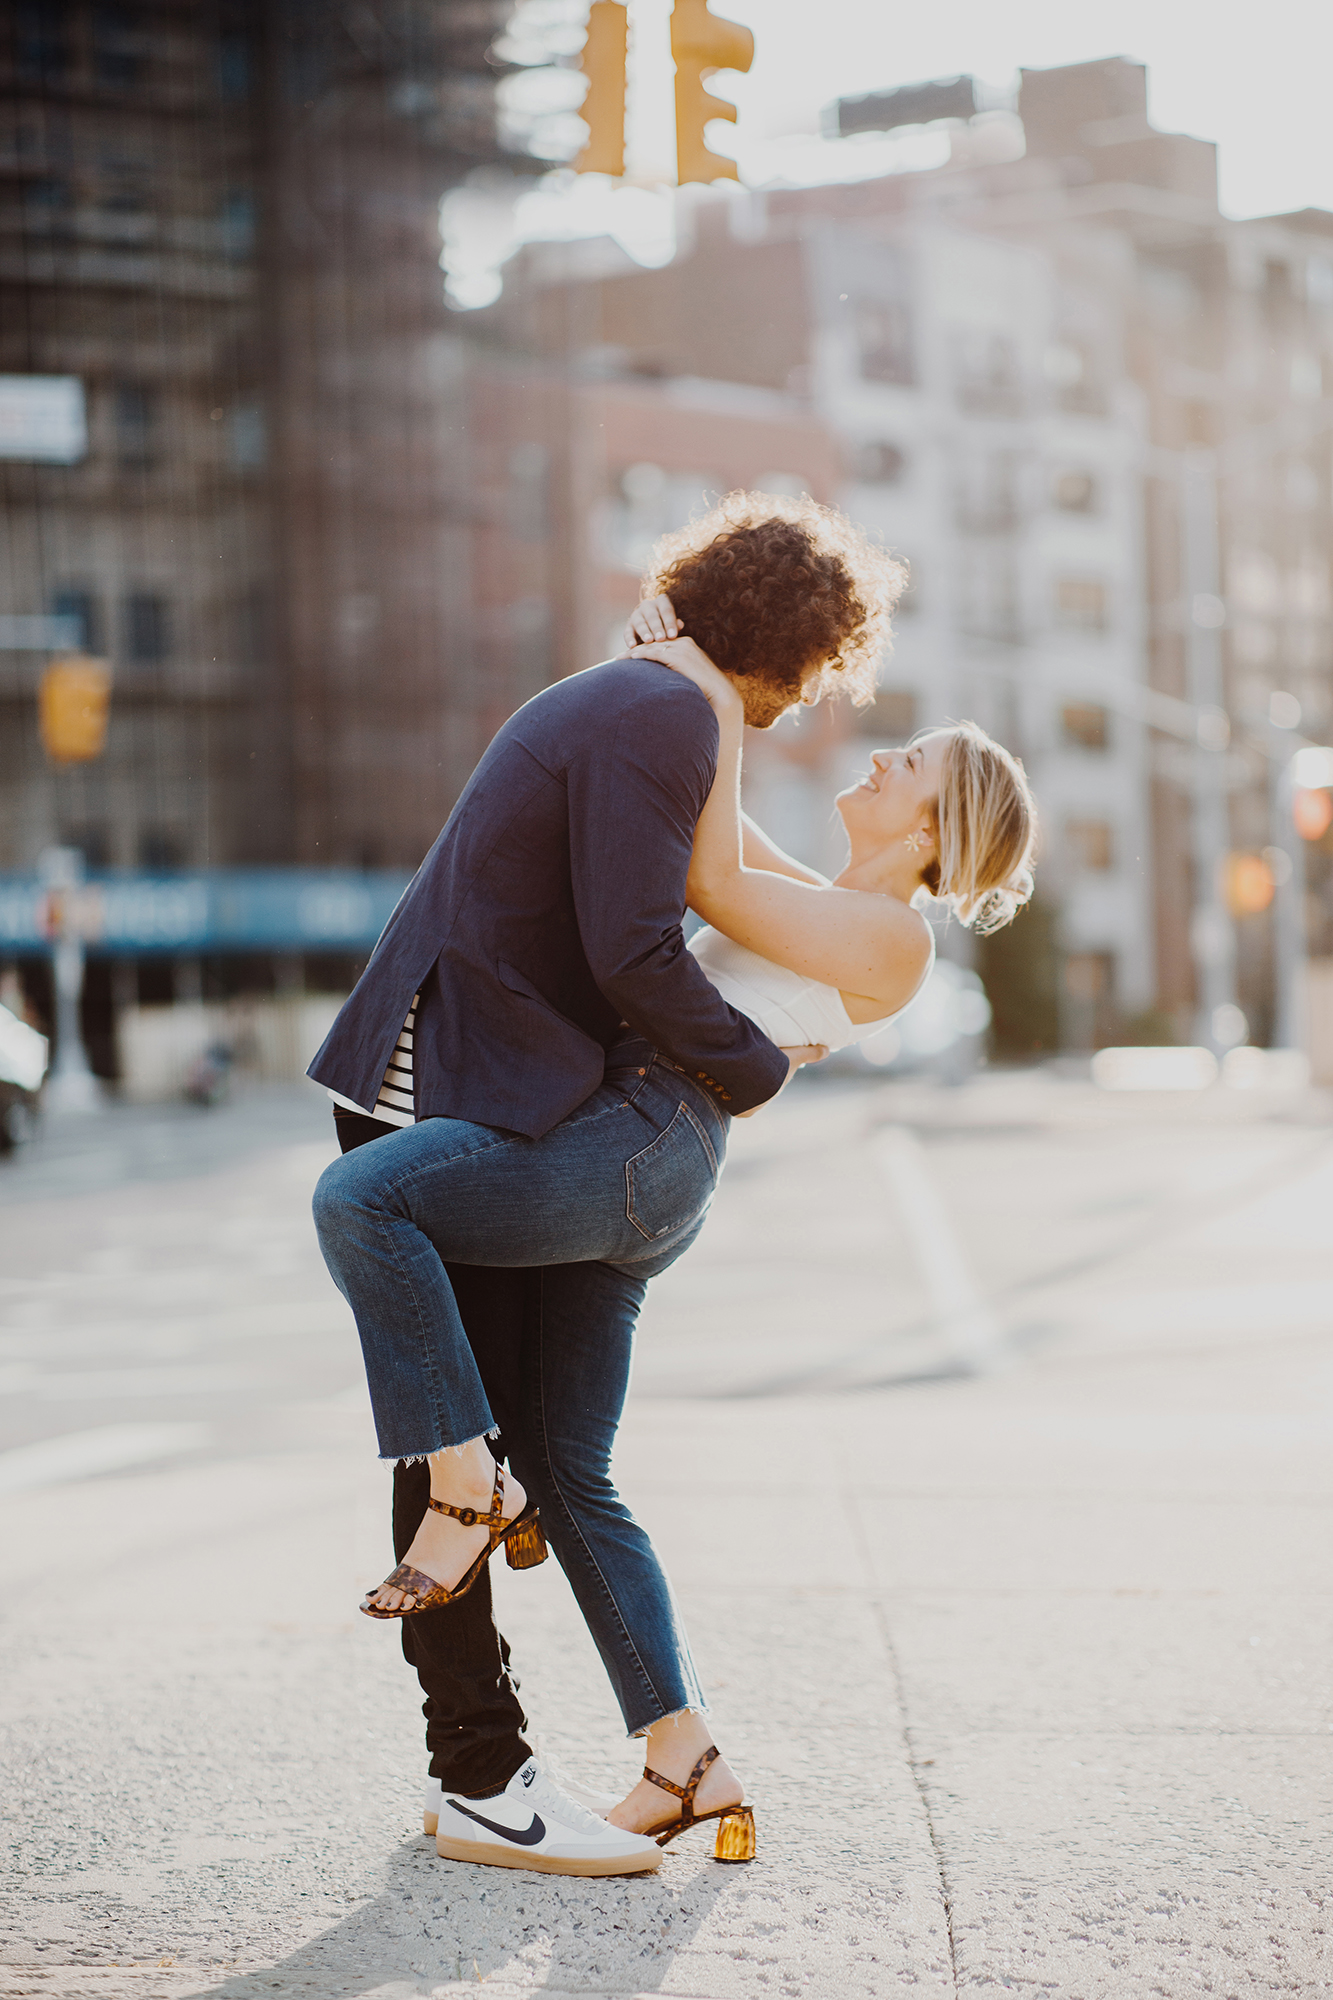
[{"x": 1028, "y": 1671}]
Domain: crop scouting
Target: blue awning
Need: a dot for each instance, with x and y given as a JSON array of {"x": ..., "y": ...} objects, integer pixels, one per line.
[{"x": 216, "y": 910}]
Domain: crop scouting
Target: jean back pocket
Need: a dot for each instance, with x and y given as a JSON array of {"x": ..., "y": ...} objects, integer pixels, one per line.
[{"x": 671, "y": 1182}]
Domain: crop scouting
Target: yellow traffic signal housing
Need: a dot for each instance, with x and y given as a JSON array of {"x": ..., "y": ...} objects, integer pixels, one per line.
[
  {"x": 603, "y": 108},
  {"x": 702, "y": 43},
  {"x": 73, "y": 702}
]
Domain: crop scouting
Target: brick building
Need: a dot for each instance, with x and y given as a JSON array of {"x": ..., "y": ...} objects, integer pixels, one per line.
[{"x": 219, "y": 222}]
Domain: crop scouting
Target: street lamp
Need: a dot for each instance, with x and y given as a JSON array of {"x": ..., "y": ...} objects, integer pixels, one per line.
[
  {"x": 1212, "y": 933},
  {"x": 73, "y": 702},
  {"x": 71, "y": 1085},
  {"x": 1309, "y": 768}
]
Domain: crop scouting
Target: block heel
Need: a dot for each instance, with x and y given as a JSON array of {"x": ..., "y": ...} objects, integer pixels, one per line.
[
  {"x": 735, "y": 1835},
  {"x": 525, "y": 1544}
]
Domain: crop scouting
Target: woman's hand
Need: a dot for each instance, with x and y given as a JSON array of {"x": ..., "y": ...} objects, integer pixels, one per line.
[
  {"x": 651, "y": 620},
  {"x": 684, "y": 657}
]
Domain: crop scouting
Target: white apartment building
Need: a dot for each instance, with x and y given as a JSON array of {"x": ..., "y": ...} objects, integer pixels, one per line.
[{"x": 1002, "y": 460}]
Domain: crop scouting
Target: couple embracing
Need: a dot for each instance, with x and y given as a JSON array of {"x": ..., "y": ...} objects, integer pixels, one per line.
[{"x": 533, "y": 1083}]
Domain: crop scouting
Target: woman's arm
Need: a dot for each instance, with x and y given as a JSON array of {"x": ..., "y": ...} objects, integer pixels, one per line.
[
  {"x": 758, "y": 851},
  {"x": 872, "y": 946}
]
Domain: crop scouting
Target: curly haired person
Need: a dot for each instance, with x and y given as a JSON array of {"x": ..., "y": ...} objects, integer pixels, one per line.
[{"x": 534, "y": 1081}]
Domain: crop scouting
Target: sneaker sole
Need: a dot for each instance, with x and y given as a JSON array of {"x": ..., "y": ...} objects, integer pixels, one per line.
[
  {"x": 429, "y": 1822},
  {"x": 545, "y": 1864}
]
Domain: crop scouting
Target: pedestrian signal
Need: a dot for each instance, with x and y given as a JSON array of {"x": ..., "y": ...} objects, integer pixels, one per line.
[
  {"x": 603, "y": 109},
  {"x": 1313, "y": 814},
  {"x": 703, "y": 43},
  {"x": 73, "y": 702},
  {"x": 1248, "y": 884}
]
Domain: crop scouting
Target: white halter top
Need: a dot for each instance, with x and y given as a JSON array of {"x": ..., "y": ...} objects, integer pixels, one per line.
[{"x": 791, "y": 1009}]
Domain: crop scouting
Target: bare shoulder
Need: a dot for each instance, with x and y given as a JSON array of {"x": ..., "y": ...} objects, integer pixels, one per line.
[{"x": 906, "y": 949}]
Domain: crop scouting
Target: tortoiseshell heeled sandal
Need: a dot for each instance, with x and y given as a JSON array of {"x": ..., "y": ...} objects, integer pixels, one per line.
[
  {"x": 735, "y": 1833},
  {"x": 524, "y": 1543}
]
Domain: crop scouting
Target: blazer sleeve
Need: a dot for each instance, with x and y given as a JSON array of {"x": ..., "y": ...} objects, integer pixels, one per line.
[{"x": 635, "y": 794}]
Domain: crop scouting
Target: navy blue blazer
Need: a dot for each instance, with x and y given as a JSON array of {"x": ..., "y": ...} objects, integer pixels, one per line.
[{"x": 549, "y": 911}]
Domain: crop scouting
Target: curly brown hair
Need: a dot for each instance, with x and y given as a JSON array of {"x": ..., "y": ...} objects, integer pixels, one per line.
[{"x": 768, "y": 586}]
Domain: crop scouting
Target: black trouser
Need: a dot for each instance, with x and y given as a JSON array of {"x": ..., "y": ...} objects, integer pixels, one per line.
[{"x": 474, "y": 1720}]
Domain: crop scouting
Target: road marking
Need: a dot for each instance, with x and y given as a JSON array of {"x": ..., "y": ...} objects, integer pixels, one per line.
[
  {"x": 966, "y": 1325},
  {"x": 78, "y": 1454}
]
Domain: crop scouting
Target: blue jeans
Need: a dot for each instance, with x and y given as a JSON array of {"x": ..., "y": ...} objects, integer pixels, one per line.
[{"x": 599, "y": 1205}]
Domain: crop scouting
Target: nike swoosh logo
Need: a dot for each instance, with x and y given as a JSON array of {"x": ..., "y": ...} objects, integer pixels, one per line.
[{"x": 525, "y": 1836}]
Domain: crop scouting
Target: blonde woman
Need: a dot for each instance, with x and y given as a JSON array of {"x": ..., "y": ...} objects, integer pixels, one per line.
[{"x": 814, "y": 961}]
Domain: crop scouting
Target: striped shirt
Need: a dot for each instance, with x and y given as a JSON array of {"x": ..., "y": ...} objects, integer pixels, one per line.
[{"x": 395, "y": 1104}]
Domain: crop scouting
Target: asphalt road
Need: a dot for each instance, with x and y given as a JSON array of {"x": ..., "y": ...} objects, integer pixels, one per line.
[{"x": 986, "y": 1433}]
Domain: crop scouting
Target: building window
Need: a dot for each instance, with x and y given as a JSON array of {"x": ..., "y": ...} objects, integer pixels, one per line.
[
  {"x": 530, "y": 629},
  {"x": 644, "y": 503},
  {"x": 1070, "y": 368},
  {"x": 884, "y": 340},
  {"x": 45, "y": 204},
  {"x": 1089, "y": 1019},
  {"x": 92, "y": 840},
  {"x": 234, "y": 68},
  {"x": 41, "y": 40},
  {"x": 147, "y": 628},
  {"x": 80, "y": 606},
  {"x": 161, "y": 848},
  {"x": 117, "y": 46},
  {"x": 1084, "y": 724},
  {"x": 889, "y": 718},
  {"x": 236, "y": 223},
  {"x": 1075, "y": 492},
  {"x": 136, "y": 424},
  {"x": 790, "y": 485},
  {"x": 988, "y": 598},
  {"x": 529, "y": 492},
  {"x": 987, "y": 375},
  {"x": 987, "y": 495},
  {"x": 248, "y": 438},
  {"x": 1089, "y": 842},
  {"x": 1080, "y": 603},
  {"x": 876, "y": 463}
]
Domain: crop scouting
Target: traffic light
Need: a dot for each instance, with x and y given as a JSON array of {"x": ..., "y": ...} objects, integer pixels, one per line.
[
  {"x": 702, "y": 43},
  {"x": 603, "y": 108},
  {"x": 72, "y": 704}
]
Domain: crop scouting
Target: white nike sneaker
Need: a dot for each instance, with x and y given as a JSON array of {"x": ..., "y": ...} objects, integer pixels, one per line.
[
  {"x": 583, "y": 1795},
  {"x": 533, "y": 1824}
]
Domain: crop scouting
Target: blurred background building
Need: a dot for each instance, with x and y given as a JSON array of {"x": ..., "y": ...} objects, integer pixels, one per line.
[{"x": 330, "y": 533}]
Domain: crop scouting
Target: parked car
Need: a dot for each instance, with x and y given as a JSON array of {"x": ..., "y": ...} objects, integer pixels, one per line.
[
  {"x": 941, "y": 1033},
  {"x": 23, "y": 1060}
]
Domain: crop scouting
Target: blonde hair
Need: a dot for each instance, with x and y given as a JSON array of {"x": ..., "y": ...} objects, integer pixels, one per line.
[{"x": 985, "y": 831}]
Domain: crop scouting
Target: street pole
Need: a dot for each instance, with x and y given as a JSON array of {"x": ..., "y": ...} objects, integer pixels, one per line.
[
  {"x": 1288, "y": 912},
  {"x": 1212, "y": 933},
  {"x": 71, "y": 1085},
  {"x": 1309, "y": 767}
]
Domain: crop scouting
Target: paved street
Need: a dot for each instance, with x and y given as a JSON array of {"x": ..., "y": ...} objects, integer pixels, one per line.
[{"x": 987, "y": 1437}]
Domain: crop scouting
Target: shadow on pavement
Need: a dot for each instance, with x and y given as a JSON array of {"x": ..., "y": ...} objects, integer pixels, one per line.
[{"x": 435, "y": 1922}]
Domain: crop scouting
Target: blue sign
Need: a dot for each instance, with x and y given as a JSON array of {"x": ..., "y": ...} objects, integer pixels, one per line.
[{"x": 220, "y": 909}]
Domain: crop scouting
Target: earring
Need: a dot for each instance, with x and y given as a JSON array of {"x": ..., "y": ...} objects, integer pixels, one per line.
[{"x": 916, "y": 841}]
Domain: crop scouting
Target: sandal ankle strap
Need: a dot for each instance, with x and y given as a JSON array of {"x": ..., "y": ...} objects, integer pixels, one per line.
[
  {"x": 686, "y": 1791},
  {"x": 470, "y": 1516}
]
